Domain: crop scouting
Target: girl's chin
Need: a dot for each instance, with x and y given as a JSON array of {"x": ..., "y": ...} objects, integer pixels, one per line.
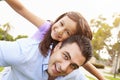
[{"x": 54, "y": 38}]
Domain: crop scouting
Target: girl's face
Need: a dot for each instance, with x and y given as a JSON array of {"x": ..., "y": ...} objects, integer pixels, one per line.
[{"x": 63, "y": 29}]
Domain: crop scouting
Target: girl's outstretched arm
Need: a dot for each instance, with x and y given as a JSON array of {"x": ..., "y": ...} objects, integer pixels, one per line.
[
  {"x": 92, "y": 69},
  {"x": 20, "y": 9}
]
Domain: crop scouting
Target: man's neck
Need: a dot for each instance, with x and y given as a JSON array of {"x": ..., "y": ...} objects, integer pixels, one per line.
[{"x": 51, "y": 78}]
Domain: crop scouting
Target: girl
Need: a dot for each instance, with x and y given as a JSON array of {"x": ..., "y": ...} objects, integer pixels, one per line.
[{"x": 66, "y": 25}]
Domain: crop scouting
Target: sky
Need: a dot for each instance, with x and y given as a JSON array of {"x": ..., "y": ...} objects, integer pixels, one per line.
[{"x": 51, "y": 9}]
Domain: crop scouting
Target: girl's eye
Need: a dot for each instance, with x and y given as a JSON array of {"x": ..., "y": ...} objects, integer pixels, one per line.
[
  {"x": 68, "y": 33},
  {"x": 61, "y": 23}
]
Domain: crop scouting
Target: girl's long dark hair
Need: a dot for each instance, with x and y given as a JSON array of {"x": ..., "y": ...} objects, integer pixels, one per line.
[
  {"x": 44, "y": 46},
  {"x": 82, "y": 29}
]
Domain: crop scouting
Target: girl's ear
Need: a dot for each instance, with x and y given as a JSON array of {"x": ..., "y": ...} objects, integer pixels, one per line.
[{"x": 57, "y": 47}]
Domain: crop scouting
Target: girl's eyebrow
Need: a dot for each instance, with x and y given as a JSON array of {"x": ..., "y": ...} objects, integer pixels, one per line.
[
  {"x": 62, "y": 21},
  {"x": 68, "y": 54}
]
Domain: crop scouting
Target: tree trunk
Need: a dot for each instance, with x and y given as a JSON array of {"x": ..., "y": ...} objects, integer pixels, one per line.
[{"x": 116, "y": 64}]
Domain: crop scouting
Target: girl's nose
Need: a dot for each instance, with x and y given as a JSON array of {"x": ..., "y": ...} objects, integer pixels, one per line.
[{"x": 60, "y": 31}]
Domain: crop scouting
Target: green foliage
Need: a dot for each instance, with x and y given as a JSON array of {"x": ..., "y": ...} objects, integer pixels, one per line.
[
  {"x": 102, "y": 38},
  {"x": 112, "y": 78},
  {"x": 90, "y": 78},
  {"x": 1, "y": 69},
  {"x": 4, "y": 35},
  {"x": 116, "y": 22},
  {"x": 21, "y": 36},
  {"x": 107, "y": 78},
  {"x": 101, "y": 35}
]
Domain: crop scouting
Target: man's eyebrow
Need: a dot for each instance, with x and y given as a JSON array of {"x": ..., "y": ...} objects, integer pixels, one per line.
[
  {"x": 68, "y": 54},
  {"x": 70, "y": 58}
]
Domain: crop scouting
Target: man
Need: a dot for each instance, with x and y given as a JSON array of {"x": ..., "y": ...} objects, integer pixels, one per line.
[{"x": 27, "y": 63}]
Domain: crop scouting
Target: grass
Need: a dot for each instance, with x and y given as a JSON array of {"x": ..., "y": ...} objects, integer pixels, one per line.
[
  {"x": 1, "y": 68},
  {"x": 112, "y": 78},
  {"x": 89, "y": 77},
  {"x": 107, "y": 77}
]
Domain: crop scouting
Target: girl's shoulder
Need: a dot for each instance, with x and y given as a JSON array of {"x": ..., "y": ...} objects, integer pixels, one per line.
[
  {"x": 45, "y": 26},
  {"x": 40, "y": 33}
]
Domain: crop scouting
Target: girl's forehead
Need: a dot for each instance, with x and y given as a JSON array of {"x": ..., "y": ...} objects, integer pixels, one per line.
[
  {"x": 70, "y": 24},
  {"x": 68, "y": 21}
]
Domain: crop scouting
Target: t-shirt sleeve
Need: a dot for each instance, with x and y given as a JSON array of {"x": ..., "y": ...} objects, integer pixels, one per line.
[
  {"x": 9, "y": 52},
  {"x": 42, "y": 31},
  {"x": 17, "y": 52}
]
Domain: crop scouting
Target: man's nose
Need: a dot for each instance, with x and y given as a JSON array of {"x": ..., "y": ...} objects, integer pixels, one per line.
[{"x": 65, "y": 66}]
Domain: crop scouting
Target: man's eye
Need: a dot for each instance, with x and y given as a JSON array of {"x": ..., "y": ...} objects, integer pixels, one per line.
[
  {"x": 65, "y": 57},
  {"x": 73, "y": 66}
]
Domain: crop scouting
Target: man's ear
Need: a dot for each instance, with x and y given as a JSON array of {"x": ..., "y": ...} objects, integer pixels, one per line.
[{"x": 57, "y": 46}]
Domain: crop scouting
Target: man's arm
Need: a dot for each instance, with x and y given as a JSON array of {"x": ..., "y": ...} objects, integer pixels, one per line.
[
  {"x": 92, "y": 69},
  {"x": 9, "y": 53}
]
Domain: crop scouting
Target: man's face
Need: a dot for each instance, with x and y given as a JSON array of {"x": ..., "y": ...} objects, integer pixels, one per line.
[{"x": 64, "y": 60}]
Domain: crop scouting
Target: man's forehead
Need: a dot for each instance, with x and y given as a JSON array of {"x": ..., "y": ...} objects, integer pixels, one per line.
[
  {"x": 75, "y": 53},
  {"x": 71, "y": 46}
]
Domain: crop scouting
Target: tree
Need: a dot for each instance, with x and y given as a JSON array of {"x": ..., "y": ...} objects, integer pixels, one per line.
[
  {"x": 101, "y": 34},
  {"x": 102, "y": 38},
  {"x": 4, "y": 35},
  {"x": 21, "y": 36},
  {"x": 116, "y": 46}
]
